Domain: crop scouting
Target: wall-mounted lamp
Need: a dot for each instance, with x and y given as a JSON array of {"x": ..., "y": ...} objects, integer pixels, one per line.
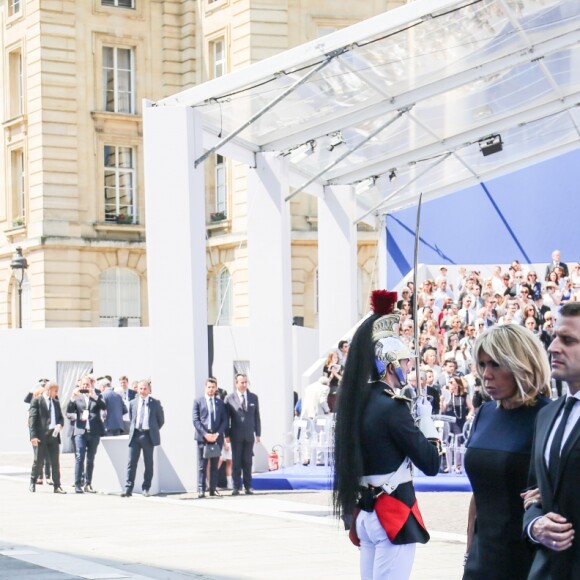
[{"x": 490, "y": 145}]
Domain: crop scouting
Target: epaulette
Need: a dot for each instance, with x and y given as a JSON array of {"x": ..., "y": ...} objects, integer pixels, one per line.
[{"x": 397, "y": 397}]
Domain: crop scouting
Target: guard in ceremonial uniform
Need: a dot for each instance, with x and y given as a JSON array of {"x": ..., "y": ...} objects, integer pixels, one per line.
[{"x": 376, "y": 440}]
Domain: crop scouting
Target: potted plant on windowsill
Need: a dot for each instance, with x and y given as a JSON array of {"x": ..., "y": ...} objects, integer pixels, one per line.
[
  {"x": 18, "y": 222},
  {"x": 123, "y": 218},
  {"x": 218, "y": 216}
]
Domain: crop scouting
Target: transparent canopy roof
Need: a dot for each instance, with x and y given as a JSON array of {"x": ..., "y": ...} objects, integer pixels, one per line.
[{"x": 428, "y": 98}]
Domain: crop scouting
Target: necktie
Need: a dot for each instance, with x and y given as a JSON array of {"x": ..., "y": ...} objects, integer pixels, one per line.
[
  {"x": 244, "y": 408},
  {"x": 466, "y": 316},
  {"x": 557, "y": 441},
  {"x": 211, "y": 413},
  {"x": 141, "y": 415}
]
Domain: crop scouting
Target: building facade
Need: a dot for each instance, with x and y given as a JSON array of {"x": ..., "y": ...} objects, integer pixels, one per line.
[{"x": 74, "y": 75}]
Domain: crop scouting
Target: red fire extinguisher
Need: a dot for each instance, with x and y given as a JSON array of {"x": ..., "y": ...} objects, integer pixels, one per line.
[{"x": 273, "y": 460}]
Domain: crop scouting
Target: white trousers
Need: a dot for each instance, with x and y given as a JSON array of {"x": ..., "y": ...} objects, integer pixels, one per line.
[{"x": 379, "y": 558}]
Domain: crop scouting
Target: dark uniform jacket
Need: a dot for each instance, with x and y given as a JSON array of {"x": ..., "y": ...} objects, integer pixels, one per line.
[{"x": 389, "y": 435}]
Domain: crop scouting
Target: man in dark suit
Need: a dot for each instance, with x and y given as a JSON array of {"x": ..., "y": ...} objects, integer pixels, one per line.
[
  {"x": 45, "y": 421},
  {"x": 85, "y": 406},
  {"x": 146, "y": 418},
  {"x": 555, "y": 263},
  {"x": 210, "y": 420},
  {"x": 244, "y": 428},
  {"x": 555, "y": 466},
  {"x": 115, "y": 409}
]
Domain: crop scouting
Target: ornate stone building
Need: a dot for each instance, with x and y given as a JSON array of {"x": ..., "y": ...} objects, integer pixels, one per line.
[{"x": 74, "y": 75}]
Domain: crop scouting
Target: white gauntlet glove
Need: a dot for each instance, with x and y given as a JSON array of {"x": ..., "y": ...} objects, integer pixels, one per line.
[{"x": 424, "y": 420}]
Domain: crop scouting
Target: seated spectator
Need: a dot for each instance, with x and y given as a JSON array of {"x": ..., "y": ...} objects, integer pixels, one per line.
[
  {"x": 554, "y": 276},
  {"x": 405, "y": 294},
  {"x": 530, "y": 324},
  {"x": 449, "y": 371},
  {"x": 431, "y": 361},
  {"x": 534, "y": 284},
  {"x": 566, "y": 292},
  {"x": 550, "y": 297},
  {"x": 575, "y": 276},
  {"x": 529, "y": 310},
  {"x": 342, "y": 353}
]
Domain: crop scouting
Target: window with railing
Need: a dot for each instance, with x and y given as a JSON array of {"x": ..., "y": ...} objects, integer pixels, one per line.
[
  {"x": 119, "y": 183},
  {"x": 119, "y": 298},
  {"x": 118, "y": 79}
]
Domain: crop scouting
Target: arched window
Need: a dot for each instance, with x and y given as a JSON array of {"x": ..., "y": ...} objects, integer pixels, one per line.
[
  {"x": 119, "y": 298},
  {"x": 223, "y": 297}
]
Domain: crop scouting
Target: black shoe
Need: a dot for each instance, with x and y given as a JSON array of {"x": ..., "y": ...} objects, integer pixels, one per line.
[
  {"x": 236, "y": 492},
  {"x": 59, "y": 490},
  {"x": 146, "y": 493},
  {"x": 200, "y": 495},
  {"x": 249, "y": 491},
  {"x": 215, "y": 493},
  {"x": 89, "y": 488},
  {"x": 127, "y": 493},
  {"x": 32, "y": 486},
  {"x": 78, "y": 489}
]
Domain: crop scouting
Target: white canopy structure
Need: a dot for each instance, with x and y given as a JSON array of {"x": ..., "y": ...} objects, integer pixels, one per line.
[
  {"x": 413, "y": 93},
  {"x": 438, "y": 94}
]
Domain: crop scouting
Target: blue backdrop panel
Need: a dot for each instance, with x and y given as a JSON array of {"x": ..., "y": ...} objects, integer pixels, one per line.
[{"x": 521, "y": 216}]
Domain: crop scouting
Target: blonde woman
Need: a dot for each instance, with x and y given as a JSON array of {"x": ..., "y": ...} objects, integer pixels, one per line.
[{"x": 514, "y": 368}]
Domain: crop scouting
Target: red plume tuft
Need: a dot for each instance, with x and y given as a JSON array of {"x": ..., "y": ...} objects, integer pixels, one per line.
[{"x": 383, "y": 302}]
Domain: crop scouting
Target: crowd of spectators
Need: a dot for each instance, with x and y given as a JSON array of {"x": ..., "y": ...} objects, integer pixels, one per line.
[{"x": 451, "y": 314}]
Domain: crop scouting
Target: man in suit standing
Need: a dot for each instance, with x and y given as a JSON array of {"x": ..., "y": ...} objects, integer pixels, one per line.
[
  {"x": 244, "y": 428},
  {"x": 210, "y": 420},
  {"x": 45, "y": 421},
  {"x": 146, "y": 418},
  {"x": 555, "y": 466},
  {"x": 115, "y": 409},
  {"x": 555, "y": 263},
  {"x": 86, "y": 405}
]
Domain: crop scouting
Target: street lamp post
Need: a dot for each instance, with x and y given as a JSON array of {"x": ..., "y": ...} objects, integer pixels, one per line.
[{"x": 19, "y": 265}]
